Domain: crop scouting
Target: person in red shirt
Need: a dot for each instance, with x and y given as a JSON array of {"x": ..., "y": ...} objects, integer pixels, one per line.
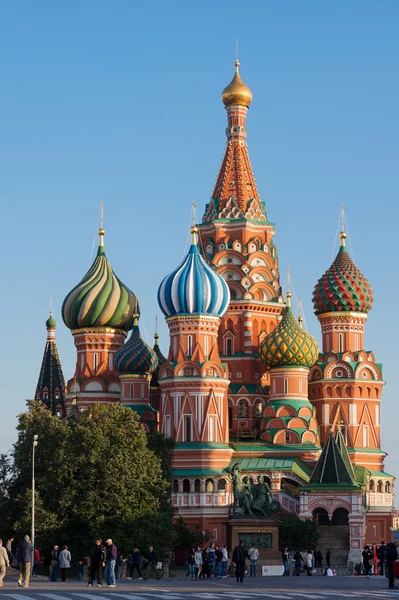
[{"x": 36, "y": 566}]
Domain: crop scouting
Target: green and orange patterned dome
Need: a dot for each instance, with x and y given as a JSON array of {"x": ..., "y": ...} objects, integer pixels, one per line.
[
  {"x": 289, "y": 345},
  {"x": 136, "y": 356},
  {"x": 342, "y": 288},
  {"x": 100, "y": 299}
]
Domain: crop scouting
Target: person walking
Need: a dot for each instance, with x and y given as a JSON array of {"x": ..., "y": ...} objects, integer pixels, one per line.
[
  {"x": 198, "y": 562},
  {"x": 285, "y": 555},
  {"x": 97, "y": 563},
  {"x": 391, "y": 556},
  {"x": 136, "y": 563},
  {"x": 25, "y": 552},
  {"x": 54, "y": 564},
  {"x": 308, "y": 562},
  {"x": 239, "y": 560},
  {"x": 120, "y": 564},
  {"x": 11, "y": 556},
  {"x": 367, "y": 556},
  {"x": 112, "y": 555},
  {"x": 4, "y": 562},
  {"x": 191, "y": 563},
  {"x": 297, "y": 563},
  {"x": 205, "y": 564},
  {"x": 212, "y": 560},
  {"x": 152, "y": 564},
  {"x": 64, "y": 562},
  {"x": 376, "y": 560},
  {"x": 36, "y": 562},
  {"x": 382, "y": 555},
  {"x": 224, "y": 562},
  {"x": 318, "y": 559},
  {"x": 253, "y": 555},
  {"x": 218, "y": 564}
]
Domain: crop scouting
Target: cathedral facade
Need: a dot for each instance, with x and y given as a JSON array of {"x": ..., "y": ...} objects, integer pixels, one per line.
[{"x": 242, "y": 382}]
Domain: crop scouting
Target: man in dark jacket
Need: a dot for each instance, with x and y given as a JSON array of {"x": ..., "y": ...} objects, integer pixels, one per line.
[
  {"x": 152, "y": 563},
  {"x": 391, "y": 555},
  {"x": 55, "y": 555},
  {"x": 136, "y": 562},
  {"x": 97, "y": 563},
  {"x": 112, "y": 555},
  {"x": 25, "y": 561},
  {"x": 382, "y": 555},
  {"x": 239, "y": 560}
]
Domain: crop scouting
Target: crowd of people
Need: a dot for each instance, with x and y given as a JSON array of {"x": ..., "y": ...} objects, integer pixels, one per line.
[{"x": 380, "y": 560}]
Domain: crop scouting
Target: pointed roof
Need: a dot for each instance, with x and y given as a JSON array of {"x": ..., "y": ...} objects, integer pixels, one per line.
[
  {"x": 331, "y": 468},
  {"x": 51, "y": 385},
  {"x": 161, "y": 361},
  {"x": 339, "y": 438},
  {"x": 235, "y": 195}
]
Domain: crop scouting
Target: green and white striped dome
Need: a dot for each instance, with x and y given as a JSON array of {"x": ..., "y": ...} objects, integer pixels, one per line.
[{"x": 100, "y": 299}]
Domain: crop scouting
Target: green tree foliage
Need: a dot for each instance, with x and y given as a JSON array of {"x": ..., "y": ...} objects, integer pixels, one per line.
[
  {"x": 95, "y": 475},
  {"x": 298, "y": 534},
  {"x": 187, "y": 536}
]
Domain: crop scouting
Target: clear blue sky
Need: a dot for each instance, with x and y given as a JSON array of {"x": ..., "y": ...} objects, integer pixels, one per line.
[{"x": 120, "y": 101}]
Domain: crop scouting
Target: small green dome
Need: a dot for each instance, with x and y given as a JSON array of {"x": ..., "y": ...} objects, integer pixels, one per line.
[
  {"x": 51, "y": 323},
  {"x": 289, "y": 344},
  {"x": 100, "y": 299}
]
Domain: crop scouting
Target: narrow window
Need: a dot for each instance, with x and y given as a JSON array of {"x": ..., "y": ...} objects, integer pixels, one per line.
[
  {"x": 142, "y": 391},
  {"x": 215, "y": 534},
  {"x": 95, "y": 362},
  {"x": 189, "y": 345},
  {"x": 187, "y": 429},
  {"x": 132, "y": 390},
  {"x": 206, "y": 351},
  {"x": 287, "y": 437},
  {"x": 211, "y": 429},
  {"x": 174, "y": 346},
  {"x": 230, "y": 409},
  {"x": 300, "y": 386},
  {"x": 229, "y": 347},
  {"x": 365, "y": 436},
  {"x": 356, "y": 342},
  {"x": 285, "y": 385},
  {"x": 340, "y": 342}
]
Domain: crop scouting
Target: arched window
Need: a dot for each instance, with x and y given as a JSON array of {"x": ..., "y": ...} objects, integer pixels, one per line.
[
  {"x": 365, "y": 436},
  {"x": 197, "y": 486},
  {"x": 243, "y": 409},
  {"x": 387, "y": 488},
  {"x": 229, "y": 347},
  {"x": 186, "y": 486},
  {"x": 95, "y": 362},
  {"x": 189, "y": 345},
  {"x": 371, "y": 485},
  {"x": 175, "y": 486},
  {"x": 379, "y": 487},
  {"x": 221, "y": 485},
  {"x": 209, "y": 485},
  {"x": 287, "y": 437}
]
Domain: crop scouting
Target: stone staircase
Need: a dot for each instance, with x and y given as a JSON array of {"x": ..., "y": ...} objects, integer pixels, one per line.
[{"x": 336, "y": 539}]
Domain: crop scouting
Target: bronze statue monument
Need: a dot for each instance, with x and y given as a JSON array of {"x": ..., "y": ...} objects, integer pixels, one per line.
[{"x": 252, "y": 500}]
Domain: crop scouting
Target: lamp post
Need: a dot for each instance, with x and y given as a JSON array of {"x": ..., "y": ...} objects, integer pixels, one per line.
[{"x": 35, "y": 438}]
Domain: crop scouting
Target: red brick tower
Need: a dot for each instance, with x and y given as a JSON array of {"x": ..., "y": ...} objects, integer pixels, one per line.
[
  {"x": 237, "y": 239},
  {"x": 346, "y": 383}
]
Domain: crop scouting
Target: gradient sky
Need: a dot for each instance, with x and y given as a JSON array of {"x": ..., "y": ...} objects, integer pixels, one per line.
[{"x": 120, "y": 101}]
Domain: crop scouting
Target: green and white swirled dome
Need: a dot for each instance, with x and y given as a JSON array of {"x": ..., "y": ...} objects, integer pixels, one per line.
[{"x": 100, "y": 299}]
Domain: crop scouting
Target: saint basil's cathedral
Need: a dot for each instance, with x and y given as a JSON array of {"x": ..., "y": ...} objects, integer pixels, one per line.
[{"x": 242, "y": 382}]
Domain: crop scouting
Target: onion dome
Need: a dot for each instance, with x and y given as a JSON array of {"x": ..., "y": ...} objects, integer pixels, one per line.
[
  {"x": 100, "y": 299},
  {"x": 193, "y": 288},
  {"x": 342, "y": 288},
  {"x": 237, "y": 92},
  {"x": 289, "y": 344},
  {"x": 136, "y": 357},
  {"x": 51, "y": 323}
]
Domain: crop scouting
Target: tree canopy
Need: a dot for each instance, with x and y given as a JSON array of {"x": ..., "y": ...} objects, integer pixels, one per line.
[
  {"x": 296, "y": 533},
  {"x": 95, "y": 475}
]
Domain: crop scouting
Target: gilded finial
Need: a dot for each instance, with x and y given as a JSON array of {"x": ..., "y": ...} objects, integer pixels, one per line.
[
  {"x": 156, "y": 336},
  {"x": 342, "y": 235},
  {"x": 101, "y": 231},
  {"x": 300, "y": 321},
  {"x": 194, "y": 231},
  {"x": 237, "y": 92},
  {"x": 288, "y": 296}
]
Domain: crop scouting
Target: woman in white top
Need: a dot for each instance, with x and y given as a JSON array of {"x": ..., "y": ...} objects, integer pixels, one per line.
[
  {"x": 224, "y": 561},
  {"x": 198, "y": 562},
  {"x": 253, "y": 555}
]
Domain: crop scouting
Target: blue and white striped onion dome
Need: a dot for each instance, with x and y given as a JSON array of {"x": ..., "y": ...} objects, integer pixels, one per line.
[{"x": 193, "y": 288}]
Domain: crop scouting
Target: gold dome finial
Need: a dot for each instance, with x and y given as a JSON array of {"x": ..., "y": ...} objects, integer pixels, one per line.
[
  {"x": 300, "y": 321},
  {"x": 237, "y": 92},
  {"x": 288, "y": 295},
  {"x": 342, "y": 235},
  {"x": 194, "y": 231}
]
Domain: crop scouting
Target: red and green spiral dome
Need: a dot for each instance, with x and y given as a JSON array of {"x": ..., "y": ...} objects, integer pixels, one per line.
[{"x": 342, "y": 288}]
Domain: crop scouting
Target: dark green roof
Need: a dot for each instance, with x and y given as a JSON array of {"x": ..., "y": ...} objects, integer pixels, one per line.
[
  {"x": 252, "y": 388},
  {"x": 293, "y": 465},
  {"x": 196, "y": 472},
  {"x": 331, "y": 469},
  {"x": 339, "y": 438}
]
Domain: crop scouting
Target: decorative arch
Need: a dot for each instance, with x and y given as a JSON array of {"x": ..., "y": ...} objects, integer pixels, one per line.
[
  {"x": 369, "y": 370},
  {"x": 186, "y": 486},
  {"x": 269, "y": 411},
  {"x": 305, "y": 411},
  {"x": 209, "y": 485},
  {"x": 286, "y": 437},
  {"x": 297, "y": 423},
  {"x": 222, "y": 485},
  {"x": 276, "y": 424},
  {"x": 286, "y": 411},
  {"x": 308, "y": 436},
  {"x": 336, "y": 366}
]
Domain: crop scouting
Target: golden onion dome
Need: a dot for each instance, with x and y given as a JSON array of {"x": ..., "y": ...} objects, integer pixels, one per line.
[{"x": 237, "y": 92}]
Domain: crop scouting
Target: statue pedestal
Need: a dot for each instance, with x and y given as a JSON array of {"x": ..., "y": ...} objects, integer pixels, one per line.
[{"x": 263, "y": 532}]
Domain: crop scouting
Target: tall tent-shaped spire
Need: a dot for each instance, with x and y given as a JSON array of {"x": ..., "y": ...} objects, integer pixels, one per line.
[
  {"x": 51, "y": 385},
  {"x": 331, "y": 468},
  {"x": 339, "y": 438}
]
